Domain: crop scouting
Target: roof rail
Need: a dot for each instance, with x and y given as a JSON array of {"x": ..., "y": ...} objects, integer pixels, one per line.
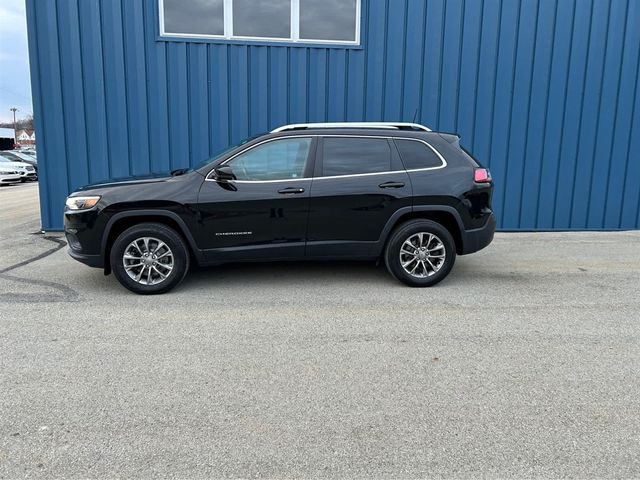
[{"x": 390, "y": 125}]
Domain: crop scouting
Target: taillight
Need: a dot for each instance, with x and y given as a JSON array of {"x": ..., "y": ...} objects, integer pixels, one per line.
[{"x": 481, "y": 175}]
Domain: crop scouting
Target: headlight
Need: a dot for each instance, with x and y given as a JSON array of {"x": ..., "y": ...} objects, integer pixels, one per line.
[{"x": 82, "y": 203}]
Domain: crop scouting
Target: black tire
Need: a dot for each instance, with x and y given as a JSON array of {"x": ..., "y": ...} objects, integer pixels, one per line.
[
  {"x": 408, "y": 231},
  {"x": 179, "y": 254}
]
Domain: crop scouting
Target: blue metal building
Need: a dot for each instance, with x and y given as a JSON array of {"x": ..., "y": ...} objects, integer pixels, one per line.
[{"x": 544, "y": 92}]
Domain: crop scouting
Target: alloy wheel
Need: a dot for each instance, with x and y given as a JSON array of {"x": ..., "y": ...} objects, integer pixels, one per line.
[
  {"x": 422, "y": 254},
  {"x": 148, "y": 261}
]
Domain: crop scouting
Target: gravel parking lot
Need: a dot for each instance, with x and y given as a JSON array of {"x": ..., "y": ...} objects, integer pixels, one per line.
[{"x": 522, "y": 363}]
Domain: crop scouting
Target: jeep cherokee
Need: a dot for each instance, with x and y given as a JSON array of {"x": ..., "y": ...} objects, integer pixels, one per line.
[{"x": 357, "y": 191}]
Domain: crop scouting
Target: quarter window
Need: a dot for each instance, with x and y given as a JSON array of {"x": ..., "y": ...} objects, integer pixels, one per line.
[
  {"x": 276, "y": 160},
  {"x": 349, "y": 156},
  {"x": 305, "y": 21},
  {"x": 417, "y": 155}
]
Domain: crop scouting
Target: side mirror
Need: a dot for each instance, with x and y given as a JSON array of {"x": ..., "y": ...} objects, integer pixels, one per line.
[{"x": 224, "y": 173}]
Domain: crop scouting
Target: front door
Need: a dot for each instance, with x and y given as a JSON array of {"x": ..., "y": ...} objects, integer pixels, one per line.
[{"x": 263, "y": 212}]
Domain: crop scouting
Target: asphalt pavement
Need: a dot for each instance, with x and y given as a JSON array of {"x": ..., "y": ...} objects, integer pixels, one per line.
[{"x": 522, "y": 363}]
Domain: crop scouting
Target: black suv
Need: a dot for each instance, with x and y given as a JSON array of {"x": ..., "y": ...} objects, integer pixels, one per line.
[{"x": 366, "y": 191}]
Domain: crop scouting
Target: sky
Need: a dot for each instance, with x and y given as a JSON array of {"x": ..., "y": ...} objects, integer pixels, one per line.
[{"x": 15, "y": 83}]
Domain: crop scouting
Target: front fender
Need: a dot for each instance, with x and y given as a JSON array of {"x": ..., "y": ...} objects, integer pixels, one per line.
[{"x": 150, "y": 215}]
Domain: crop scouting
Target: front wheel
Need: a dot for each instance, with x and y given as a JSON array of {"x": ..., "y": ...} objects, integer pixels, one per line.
[
  {"x": 149, "y": 258},
  {"x": 420, "y": 253}
]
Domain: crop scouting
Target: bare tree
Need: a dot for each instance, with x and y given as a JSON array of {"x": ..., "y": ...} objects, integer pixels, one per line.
[{"x": 25, "y": 123}]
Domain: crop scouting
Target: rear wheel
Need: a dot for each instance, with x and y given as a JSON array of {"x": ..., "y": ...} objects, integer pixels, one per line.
[
  {"x": 149, "y": 258},
  {"x": 420, "y": 253}
]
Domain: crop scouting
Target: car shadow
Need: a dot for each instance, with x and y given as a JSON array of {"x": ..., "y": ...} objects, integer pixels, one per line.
[{"x": 288, "y": 274}]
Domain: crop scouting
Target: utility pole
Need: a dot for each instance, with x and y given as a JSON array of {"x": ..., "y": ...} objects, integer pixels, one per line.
[{"x": 15, "y": 132}]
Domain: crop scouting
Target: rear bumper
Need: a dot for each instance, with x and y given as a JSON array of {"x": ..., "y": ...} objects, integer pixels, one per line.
[{"x": 474, "y": 240}]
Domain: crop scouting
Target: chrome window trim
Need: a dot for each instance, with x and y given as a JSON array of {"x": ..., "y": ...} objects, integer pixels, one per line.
[
  {"x": 294, "y": 34},
  {"x": 442, "y": 159},
  {"x": 268, "y": 181},
  {"x": 251, "y": 148}
]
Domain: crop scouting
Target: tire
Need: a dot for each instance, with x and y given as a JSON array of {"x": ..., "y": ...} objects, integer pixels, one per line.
[
  {"x": 156, "y": 274},
  {"x": 428, "y": 264}
]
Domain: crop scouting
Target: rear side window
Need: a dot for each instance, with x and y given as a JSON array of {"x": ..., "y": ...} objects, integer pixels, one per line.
[
  {"x": 348, "y": 156},
  {"x": 417, "y": 154}
]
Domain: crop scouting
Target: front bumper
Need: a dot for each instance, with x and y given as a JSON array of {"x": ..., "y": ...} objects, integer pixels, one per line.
[
  {"x": 84, "y": 234},
  {"x": 12, "y": 179},
  {"x": 94, "y": 261},
  {"x": 477, "y": 239}
]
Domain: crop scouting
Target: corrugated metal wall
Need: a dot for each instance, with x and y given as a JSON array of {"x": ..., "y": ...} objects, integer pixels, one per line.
[{"x": 544, "y": 92}]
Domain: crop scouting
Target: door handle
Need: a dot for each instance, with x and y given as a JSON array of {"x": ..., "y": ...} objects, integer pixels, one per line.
[
  {"x": 290, "y": 190},
  {"x": 391, "y": 185}
]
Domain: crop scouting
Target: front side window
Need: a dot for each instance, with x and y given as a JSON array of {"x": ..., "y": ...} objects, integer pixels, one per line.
[
  {"x": 349, "y": 156},
  {"x": 275, "y": 160},
  {"x": 305, "y": 21}
]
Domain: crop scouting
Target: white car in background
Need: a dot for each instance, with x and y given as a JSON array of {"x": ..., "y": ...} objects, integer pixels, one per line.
[
  {"x": 16, "y": 156},
  {"x": 26, "y": 170},
  {"x": 28, "y": 156},
  {"x": 28, "y": 151},
  {"x": 9, "y": 174}
]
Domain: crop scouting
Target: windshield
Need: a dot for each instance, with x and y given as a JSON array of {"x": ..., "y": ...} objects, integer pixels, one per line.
[
  {"x": 8, "y": 159},
  {"x": 16, "y": 157},
  {"x": 223, "y": 152}
]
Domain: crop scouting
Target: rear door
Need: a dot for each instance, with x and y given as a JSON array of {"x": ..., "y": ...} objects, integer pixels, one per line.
[{"x": 359, "y": 182}]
